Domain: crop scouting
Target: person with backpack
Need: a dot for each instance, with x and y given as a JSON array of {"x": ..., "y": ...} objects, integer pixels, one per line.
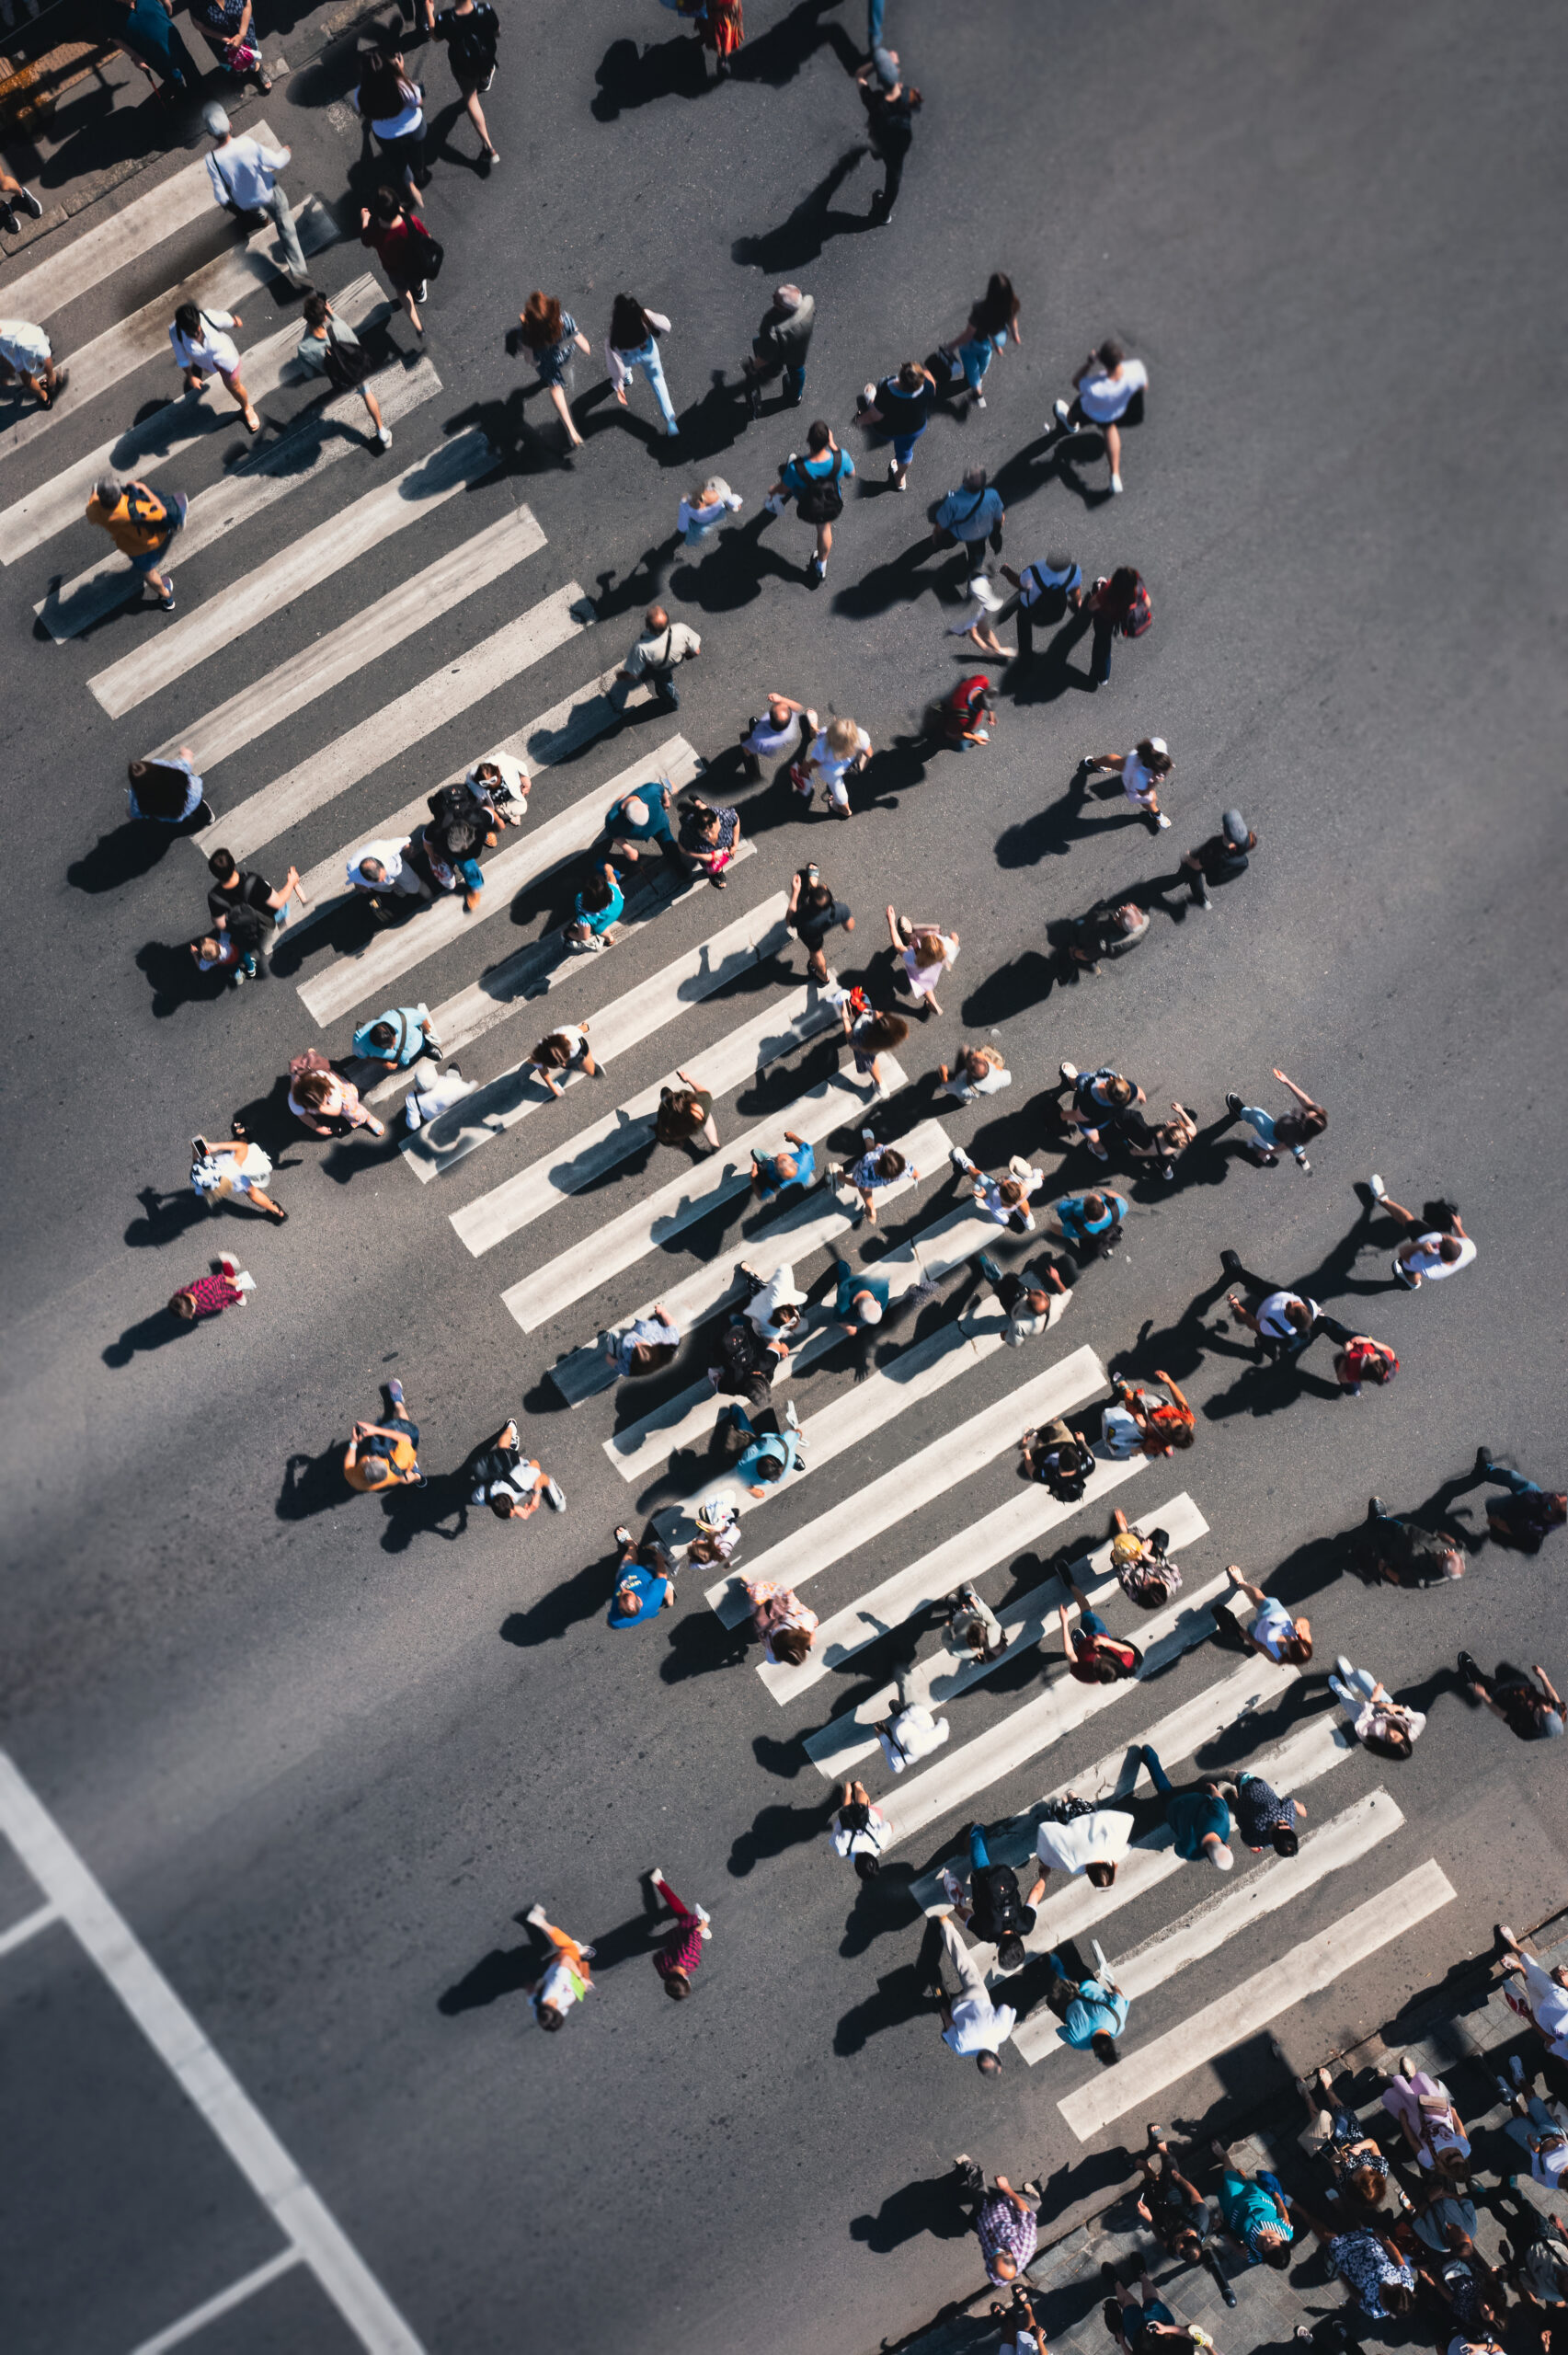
[
  {"x": 993, "y": 1906},
  {"x": 969, "y": 516},
  {"x": 1043, "y": 595},
  {"x": 395, "y": 232},
  {"x": 472, "y": 31},
  {"x": 329, "y": 348},
  {"x": 816, "y": 483},
  {"x": 780, "y": 347},
  {"x": 1220, "y": 858},
  {"x": 902, "y": 405},
  {"x": 990, "y": 322},
  {"x": 1025, "y": 1299},
  {"x": 384, "y": 1455},
  {"x": 1109, "y": 388},
  {"x": 1295, "y": 1129},
  {"x": 1090, "y": 1225},
  {"x": 1135, "y": 1421},
  {"x": 812, "y": 913},
  {"x": 647, "y": 1583},
  {"x": 168, "y": 792},
  {"x": 1118, "y": 605},
  {"x": 244, "y": 182},
  {"x": 1142, "y": 772},
  {"x": 395, "y": 108},
  {"x": 1059, "y": 1457},
  {"x": 596, "y": 911},
  {"x": 1522, "y": 1517},
  {"x": 203, "y": 347},
  {"x": 891, "y": 104},
  {"x": 633, "y": 343},
  {"x": 397, "y": 1038},
  {"x": 1005, "y": 1199},
  {"x": 859, "y": 1830},
  {"x": 140, "y": 525},
  {"x": 1094, "y": 1654},
  {"x": 234, "y": 887},
  {"x": 658, "y": 655}
]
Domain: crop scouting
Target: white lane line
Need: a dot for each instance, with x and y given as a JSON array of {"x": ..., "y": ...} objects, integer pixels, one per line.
[
  {"x": 210, "y": 2085},
  {"x": 69, "y": 271},
  {"x": 28, "y": 1928},
  {"x": 301, "y": 565},
  {"x": 317, "y": 438},
  {"x": 96, "y": 367},
  {"x": 224, "y": 2303},
  {"x": 1362, "y": 1827},
  {"x": 369, "y": 634},
  {"x": 173, "y": 427},
  {"x": 812, "y": 1222},
  {"x": 963, "y": 1559},
  {"x": 509, "y": 1097},
  {"x": 947, "y": 1463},
  {"x": 348, "y": 979},
  {"x": 1257, "y": 2003},
  {"x": 691, "y": 1195}
]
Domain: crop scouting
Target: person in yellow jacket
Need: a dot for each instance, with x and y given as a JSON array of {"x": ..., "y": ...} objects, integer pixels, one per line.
[{"x": 140, "y": 526}]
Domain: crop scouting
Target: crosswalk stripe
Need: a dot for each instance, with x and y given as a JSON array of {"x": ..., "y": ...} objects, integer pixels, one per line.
[
  {"x": 680, "y": 1422},
  {"x": 820, "y": 1218},
  {"x": 362, "y": 974},
  {"x": 36, "y": 293},
  {"x": 620, "y": 1133},
  {"x": 371, "y": 633},
  {"x": 302, "y": 564},
  {"x": 316, "y": 441},
  {"x": 1258, "y": 2003},
  {"x": 683, "y": 1201},
  {"x": 965, "y": 1558},
  {"x": 1268, "y": 1888},
  {"x": 945, "y": 1464},
  {"x": 96, "y": 367},
  {"x": 174, "y": 427},
  {"x": 392, "y": 731}
]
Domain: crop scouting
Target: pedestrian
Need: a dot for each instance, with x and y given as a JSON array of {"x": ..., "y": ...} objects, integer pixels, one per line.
[
  {"x": 812, "y": 913},
  {"x": 910, "y": 1732},
  {"x": 166, "y": 792},
  {"x": 1075, "y": 1836},
  {"x": 639, "y": 821},
  {"x": 686, "y": 1113},
  {"x": 859, "y": 1304},
  {"x": 1162, "y": 1142},
  {"x": 232, "y": 951},
  {"x": 509, "y": 1483},
  {"x": 878, "y": 1165},
  {"x": 1284, "y": 1322},
  {"x": 203, "y": 347},
  {"x": 1373, "y": 2266},
  {"x": 399, "y": 1037},
  {"x": 154, "y": 46},
  {"x": 1294, "y": 1129},
  {"x": 472, "y": 31},
  {"x": 1004, "y": 1200},
  {"x": 1534, "y": 1711},
  {"x": 772, "y": 1172},
  {"x": 1404, "y": 1553},
  {"x": 329, "y": 348},
  {"x": 1109, "y": 390},
  {"x": 232, "y": 1166},
  {"x": 1023, "y": 2333},
  {"x": 777, "y": 733},
  {"x": 975, "y": 1071},
  {"x": 1093, "y": 2011},
  {"x": 774, "y": 1312},
  {"x": 229, "y": 1286},
  {"x": 645, "y": 1346},
  {"x": 780, "y": 1621},
  {"x": 967, "y": 518},
  {"x": 1110, "y": 929},
  {"x": 780, "y": 347},
  {"x": 13, "y": 193},
  {"x": 772, "y": 1452},
  {"x": 495, "y": 789},
  {"x": 1271, "y": 1630},
  {"x": 972, "y": 2023},
  {"x": 659, "y": 654},
  {"x": 702, "y": 511},
  {"x": 925, "y": 952},
  {"x": 1541, "y": 1997},
  {"x": 551, "y": 335},
  {"x": 646, "y": 1583},
  {"x": 973, "y": 1626},
  {"x": 394, "y": 107},
  {"x": 633, "y": 343},
  {"x": 383, "y": 876},
  {"x": 1171, "y": 2205},
  {"x": 1142, "y": 772},
  {"x": 563, "y": 1050},
  {"x": 567, "y": 1979},
  {"x": 1024, "y": 1297},
  {"x": 965, "y": 716},
  {"x": 233, "y": 886},
  {"x": 1139, "y": 1421},
  {"x": 1375, "y": 1717},
  {"x": 1143, "y": 1572},
  {"x": 1262, "y": 1817},
  {"x": 1060, "y": 1457},
  {"x": 1431, "y": 2125},
  {"x": 815, "y": 485},
  {"x": 742, "y": 1368},
  {"x": 448, "y": 847},
  {"x": 433, "y": 1092},
  {"x": 891, "y": 104},
  {"x": 1427, "y": 1253},
  {"x": 1099, "y": 1099},
  {"x": 991, "y": 321},
  {"x": 871, "y": 1035},
  {"x": 328, "y": 1106},
  {"x": 1254, "y": 2214},
  {"x": 394, "y": 227},
  {"x": 993, "y": 1906},
  {"x": 1354, "y": 2159},
  {"x": 1364, "y": 1360},
  {"x": 1151, "y": 2319},
  {"x": 1220, "y": 858},
  {"x": 901, "y": 405},
  {"x": 596, "y": 911},
  {"x": 860, "y": 1831},
  {"x": 709, "y": 839},
  {"x": 838, "y": 751},
  {"x": 140, "y": 525},
  {"x": 1119, "y": 606},
  {"x": 724, "y": 29},
  {"x": 683, "y": 1949},
  {"x": 1523, "y": 1516},
  {"x": 230, "y": 35},
  {"x": 1090, "y": 1225},
  {"x": 1197, "y": 1816},
  {"x": 384, "y": 1455},
  {"x": 245, "y": 174}
]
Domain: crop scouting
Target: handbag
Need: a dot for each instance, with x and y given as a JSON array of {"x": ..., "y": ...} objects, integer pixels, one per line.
[{"x": 347, "y": 364}]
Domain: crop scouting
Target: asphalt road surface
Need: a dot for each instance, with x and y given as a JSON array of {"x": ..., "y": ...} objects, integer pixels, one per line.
[{"x": 323, "y": 1751}]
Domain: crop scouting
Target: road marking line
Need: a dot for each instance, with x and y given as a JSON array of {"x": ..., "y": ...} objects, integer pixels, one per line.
[
  {"x": 226, "y": 2300},
  {"x": 36, "y": 293},
  {"x": 28, "y": 1928}
]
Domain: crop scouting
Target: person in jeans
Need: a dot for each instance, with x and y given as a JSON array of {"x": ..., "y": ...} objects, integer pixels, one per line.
[
  {"x": 891, "y": 104},
  {"x": 1024, "y": 1298},
  {"x": 645, "y": 1585},
  {"x": 1262, "y": 1817},
  {"x": 1044, "y": 593},
  {"x": 1093, "y": 2011},
  {"x": 683, "y": 1949},
  {"x": 394, "y": 227},
  {"x": 1294, "y": 1129},
  {"x": 511, "y": 1485},
  {"x": 1109, "y": 387},
  {"x": 1220, "y": 858},
  {"x": 1197, "y": 1814},
  {"x": 1271, "y": 1630},
  {"x": 138, "y": 523},
  {"x": 1523, "y": 1516},
  {"x": 659, "y": 653},
  {"x": 1533, "y": 1711},
  {"x": 780, "y": 347},
  {"x": 245, "y": 179},
  {"x": 234, "y": 886},
  {"x": 384, "y": 1455},
  {"x": 991, "y": 321},
  {"x": 777, "y": 733},
  {"x": 1383, "y": 1725},
  {"x": 972, "y": 2023},
  {"x": 902, "y": 405},
  {"x": 969, "y": 517},
  {"x": 633, "y": 343},
  {"x": 816, "y": 483}
]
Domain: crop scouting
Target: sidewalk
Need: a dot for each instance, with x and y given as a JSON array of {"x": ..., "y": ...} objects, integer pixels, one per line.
[{"x": 1465, "y": 2040}]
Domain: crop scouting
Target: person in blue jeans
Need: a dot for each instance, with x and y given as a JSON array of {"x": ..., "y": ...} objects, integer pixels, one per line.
[
  {"x": 633, "y": 343},
  {"x": 816, "y": 483},
  {"x": 1523, "y": 1517},
  {"x": 990, "y": 322},
  {"x": 1197, "y": 1816},
  {"x": 771, "y": 1453},
  {"x": 902, "y": 405}
]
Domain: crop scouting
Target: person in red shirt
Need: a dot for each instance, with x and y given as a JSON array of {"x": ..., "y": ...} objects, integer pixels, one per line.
[
  {"x": 968, "y": 713},
  {"x": 395, "y": 230},
  {"x": 1094, "y": 1654}
]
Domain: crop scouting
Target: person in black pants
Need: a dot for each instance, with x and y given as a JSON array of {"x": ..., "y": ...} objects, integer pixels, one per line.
[
  {"x": 1219, "y": 859},
  {"x": 890, "y": 105},
  {"x": 1285, "y": 1321},
  {"x": 780, "y": 345}
]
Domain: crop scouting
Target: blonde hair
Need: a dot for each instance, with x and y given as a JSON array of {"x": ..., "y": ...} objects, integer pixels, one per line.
[{"x": 844, "y": 736}]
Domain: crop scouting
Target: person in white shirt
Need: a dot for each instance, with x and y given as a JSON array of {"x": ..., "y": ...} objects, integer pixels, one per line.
[
  {"x": 1284, "y": 1321},
  {"x": 1005, "y": 1199},
  {"x": 1427, "y": 1253},
  {"x": 1107, "y": 384},
  {"x": 566, "y": 1979},
  {"x": 1081, "y": 1839},
  {"x": 203, "y": 347},
  {"x": 970, "y": 2021},
  {"x": 27, "y": 351},
  {"x": 501, "y": 784},
  {"x": 860, "y": 1831},
  {"x": 912, "y": 1735},
  {"x": 702, "y": 512},
  {"x": 245, "y": 179},
  {"x": 777, "y": 734},
  {"x": 566, "y": 1049},
  {"x": 926, "y": 954},
  {"x": 975, "y": 1071},
  {"x": 1542, "y": 1999},
  {"x": 380, "y": 872},
  {"x": 1272, "y": 1630},
  {"x": 1142, "y": 772},
  {"x": 840, "y": 751},
  {"x": 1386, "y": 1727}
]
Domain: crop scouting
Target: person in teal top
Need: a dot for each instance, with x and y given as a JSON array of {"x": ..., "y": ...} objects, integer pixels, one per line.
[
  {"x": 817, "y": 484},
  {"x": 1199, "y": 1817},
  {"x": 772, "y": 1453},
  {"x": 1084, "y": 1218},
  {"x": 398, "y": 1036},
  {"x": 597, "y": 909},
  {"x": 861, "y": 1300},
  {"x": 640, "y": 817},
  {"x": 1254, "y": 2214},
  {"x": 1093, "y": 2012}
]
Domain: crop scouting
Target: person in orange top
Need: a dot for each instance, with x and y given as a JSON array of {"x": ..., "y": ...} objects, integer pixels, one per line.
[
  {"x": 384, "y": 1455},
  {"x": 141, "y": 527}
]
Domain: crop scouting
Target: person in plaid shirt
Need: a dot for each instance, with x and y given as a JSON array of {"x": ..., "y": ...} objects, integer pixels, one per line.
[{"x": 682, "y": 1949}]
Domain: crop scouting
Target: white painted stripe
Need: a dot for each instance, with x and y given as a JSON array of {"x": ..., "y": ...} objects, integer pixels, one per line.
[
  {"x": 210, "y": 2085},
  {"x": 96, "y": 367},
  {"x": 175, "y": 427},
  {"x": 28, "y": 1928},
  {"x": 510, "y": 1096},
  {"x": 72, "y": 269},
  {"x": 806, "y": 1228},
  {"x": 301, "y": 565},
  {"x": 1258, "y": 2003},
  {"x": 348, "y": 979},
  {"x": 1342, "y": 1841},
  {"x": 963, "y": 1560},
  {"x": 224, "y": 2303},
  {"x": 945, "y": 1464},
  {"x": 690, "y": 1196},
  {"x": 316, "y": 439},
  {"x": 372, "y": 632}
]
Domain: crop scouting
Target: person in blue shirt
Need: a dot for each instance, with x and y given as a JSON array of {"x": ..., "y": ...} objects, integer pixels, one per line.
[
  {"x": 647, "y": 1583},
  {"x": 597, "y": 910},
  {"x": 772, "y": 1172},
  {"x": 1199, "y": 1817},
  {"x": 771, "y": 1453},
  {"x": 398, "y": 1036},
  {"x": 816, "y": 483},
  {"x": 861, "y": 1300},
  {"x": 1093, "y": 2011},
  {"x": 971, "y": 514},
  {"x": 1089, "y": 1222}
]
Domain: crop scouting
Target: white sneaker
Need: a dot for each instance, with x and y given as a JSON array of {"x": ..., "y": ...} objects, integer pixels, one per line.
[
  {"x": 868, "y": 1136},
  {"x": 1063, "y": 413},
  {"x": 1379, "y": 1192},
  {"x": 980, "y": 400},
  {"x": 960, "y": 1159},
  {"x": 657, "y": 1876},
  {"x": 868, "y": 392},
  {"x": 384, "y": 437},
  {"x": 537, "y": 1915},
  {"x": 1161, "y": 820},
  {"x": 1116, "y": 486},
  {"x": 556, "y": 1496},
  {"x": 706, "y": 1919},
  {"x": 1068, "y": 1071}
]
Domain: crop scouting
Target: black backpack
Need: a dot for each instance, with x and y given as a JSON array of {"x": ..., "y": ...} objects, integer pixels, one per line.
[{"x": 823, "y": 502}]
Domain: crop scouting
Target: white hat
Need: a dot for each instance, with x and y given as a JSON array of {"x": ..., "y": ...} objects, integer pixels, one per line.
[
  {"x": 215, "y": 120},
  {"x": 1158, "y": 744}
]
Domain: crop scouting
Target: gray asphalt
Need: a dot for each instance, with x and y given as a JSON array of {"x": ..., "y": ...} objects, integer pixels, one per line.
[{"x": 325, "y": 1752}]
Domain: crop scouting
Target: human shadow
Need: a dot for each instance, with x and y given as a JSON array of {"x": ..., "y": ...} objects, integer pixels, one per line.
[
  {"x": 776, "y": 56},
  {"x": 176, "y": 978},
  {"x": 929, "y": 2205},
  {"x": 629, "y": 77},
  {"x": 438, "y": 140},
  {"x": 801, "y": 235},
  {"x": 315, "y": 1484},
  {"x": 902, "y": 1994},
  {"x": 521, "y": 446},
  {"x": 881, "y": 1905},
  {"x": 165, "y": 1217},
  {"x": 775, "y": 1831},
  {"x": 700, "y": 1644},
  {"x": 1017, "y": 987},
  {"x": 731, "y": 573},
  {"x": 505, "y": 1970},
  {"x": 128, "y": 852},
  {"x": 412, "y": 1511},
  {"x": 154, "y": 1332},
  {"x": 569, "y": 1605}
]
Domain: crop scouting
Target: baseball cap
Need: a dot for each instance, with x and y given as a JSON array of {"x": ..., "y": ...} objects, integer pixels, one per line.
[{"x": 1235, "y": 825}]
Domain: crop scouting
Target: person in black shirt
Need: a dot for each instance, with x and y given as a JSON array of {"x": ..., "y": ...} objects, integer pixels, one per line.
[
  {"x": 890, "y": 105},
  {"x": 995, "y": 1908},
  {"x": 472, "y": 32},
  {"x": 902, "y": 405},
  {"x": 811, "y": 915},
  {"x": 234, "y": 887},
  {"x": 1218, "y": 860},
  {"x": 780, "y": 345},
  {"x": 1404, "y": 1553},
  {"x": 1263, "y": 1818}
]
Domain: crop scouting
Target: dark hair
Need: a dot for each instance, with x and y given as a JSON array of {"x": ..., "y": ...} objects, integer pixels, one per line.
[
  {"x": 314, "y": 1088},
  {"x": 385, "y": 206},
  {"x": 998, "y": 306},
  {"x": 1010, "y": 1953},
  {"x": 188, "y": 319},
  {"x": 1122, "y": 588},
  {"x": 222, "y": 865},
  {"x": 1111, "y": 354},
  {"x": 1449, "y": 1248},
  {"x": 988, "y": 2064},
  {"x": 629, "y": 326},
  {"x": 651, "y": 1357},
  {"x": 1366, "y": 2184},
  {"x": 893, "y": 1162},
  {"x": 501, "y": 1506},
  {"x": 909, "y": 378},
  {"x": 867, "y": 1865},
  {"x": 1285, "y": 1842},
  {"x": 541, "y": 321},
  {"x": 1156, "y": 764},
  {"x": 554, "y": 1052},
  {"x": 549, "y": 2018},
  {"x": 791, "y": 1644},
  {"x": 817, "y": 436},
  {"x": 182, "y": 1305},
  {"x": 1277, "y": 2253},
  {"x": 381, "y": 1034},
  {"x": 1396, "y": 1744},
  {"x": 884, "y": 1030},
  {"x": 315, "y": 313},
  {"x": 381, "y": 87},
  {"x": 1314, "y": 1120},
  {"x": 1102, "y": 2045},
  {"x": 598, "y": 890},
  {"x": 1396, "y": 2296},
  {"x": 854, "y": 1815},
  {"x": 1101, "y": 1872},
  {"x": 676, "y": 1986}
]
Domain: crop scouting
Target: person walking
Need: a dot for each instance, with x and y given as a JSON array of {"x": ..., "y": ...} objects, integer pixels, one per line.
[
  {"x": 780, "y": 1622},
  {"x": 564, "y": 1050},
  {"x": 1219, "y": 858},
  {"x": 975, "y": 1072},
  {"x": 1142, "y": 772},
  {"x": 1283, "y": 1321},
  {"x": 1427, "y": 1253},
  {"x": 871, "y": 1035},
  {"x": 972, "y": 2023},
  {"x": 551, "y": 335},
  {"x": 1090, "y": 1225},
  {"x": 860, "y": 1831},
  {"x": 244, "y": 180},
  {"x": 1539, "y": 2131},
  {"x": 203, "y": 347},
  {"x": 472, "y": 31},
  {"x": 1403, "y": 1553},
  {"x": 1059, "y": 1457},
  {"x": 925, "y": 952},
  {"x": 709, "y": 840},
  {"x": 1263, "y": 1818},
  {"x": 234, "y": 886},
  {"x": 1373, "y": 2267},
  {"x": 633, "y": 343},
  {"x": 901, "y": 405},
  {"x": 646, "y": 1583},
  {"x": 1004, "y": 1200},
  {"x": 1139, "y": 1421},
  {"x": 384, "y": 1455},
  {"x": 497, "y": 788},
  {"x": 155, "y": 47},
  {"x": 228, "y": 1286},
  {"x": 1119, "y": 606},
  {"x": 1294, "y": 1129},
  {"x": 1529, "y": 1706},
  {"x": 1377, "y": 1721},
  {"x": 13, "y": 193},
  {"x": 229, "y": 31},
  {"x": 702, "y": 511},
  {"x": 231, "y": 1166},
  {"x": 167, "y": 792},
  {"x": 1197, "y": 1815},
  {"x": 140, "y": 526},
  {"x": 681, "y": 1952},
  {"x": 382, "y": 873},
  {"x": 1092, "y": 2011},
  {"x": 686, "y": 1113},
  {"x": 1364, "y": 1360},
  {"x": 1143, "y": 1572},
  {"x": 910, "y": 1732},
  {"x": 992, "y": 322},
  {"x": 1024, "y": 1298},
  {"x": 860, "y": 1302},
  {"x": 398, "y": 1037},
  {"x": 1099, "y": 1099},
  {"x": 394, "y": 228},
  {"x": 838, "y": 751},
  {"x": 780, "y": 347},
  {"x": 658, "y": 654},
  {"x": 645, "y": 1346},
  {"x": 1354, "y": 2159},
  {"x": 1537, "y": 1995},
  {"x": 773, "y": 1311},
  {"x": 773, "y": 1172},
  {"x": 816, "y": 483},
  {"x": 433, "y": 1092},
  {"x": 973, "y": 1626},
  {"x": 640, "y": 820},
  {"x": 395, "y": 108},
  {"x": 233, "y": 951},
  {"x": 26, "y": 351},
  {"x": 1108, "y": 392},
  {"x": 777, "y": 733},
  {"x": 328, "y": 1106},
  {"x": 511, "y": 1485},
  {"x": 891, "y": 104},
  {"x": 568, "y": 1979},
  {"x": 1171, "y": 2205},
  {"x": 1432, "y": 2127},
  {"x": 1522, "y": 1517},
  {"x": 1044, "y": 593},
  {"x": 1271, "y": 1630},
  {"x": 877, "y": 1166},
  {"x": 329, "y": 348},
  {"x": 993, "y": 1906},
  {"x": 596, "y": 911},
  {"x": 967, "y": 518},
  {"x": 1077, "y": 1837},
  {"x": 812, "y": 913},
  {"x": 1254, "y": 2212}
]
